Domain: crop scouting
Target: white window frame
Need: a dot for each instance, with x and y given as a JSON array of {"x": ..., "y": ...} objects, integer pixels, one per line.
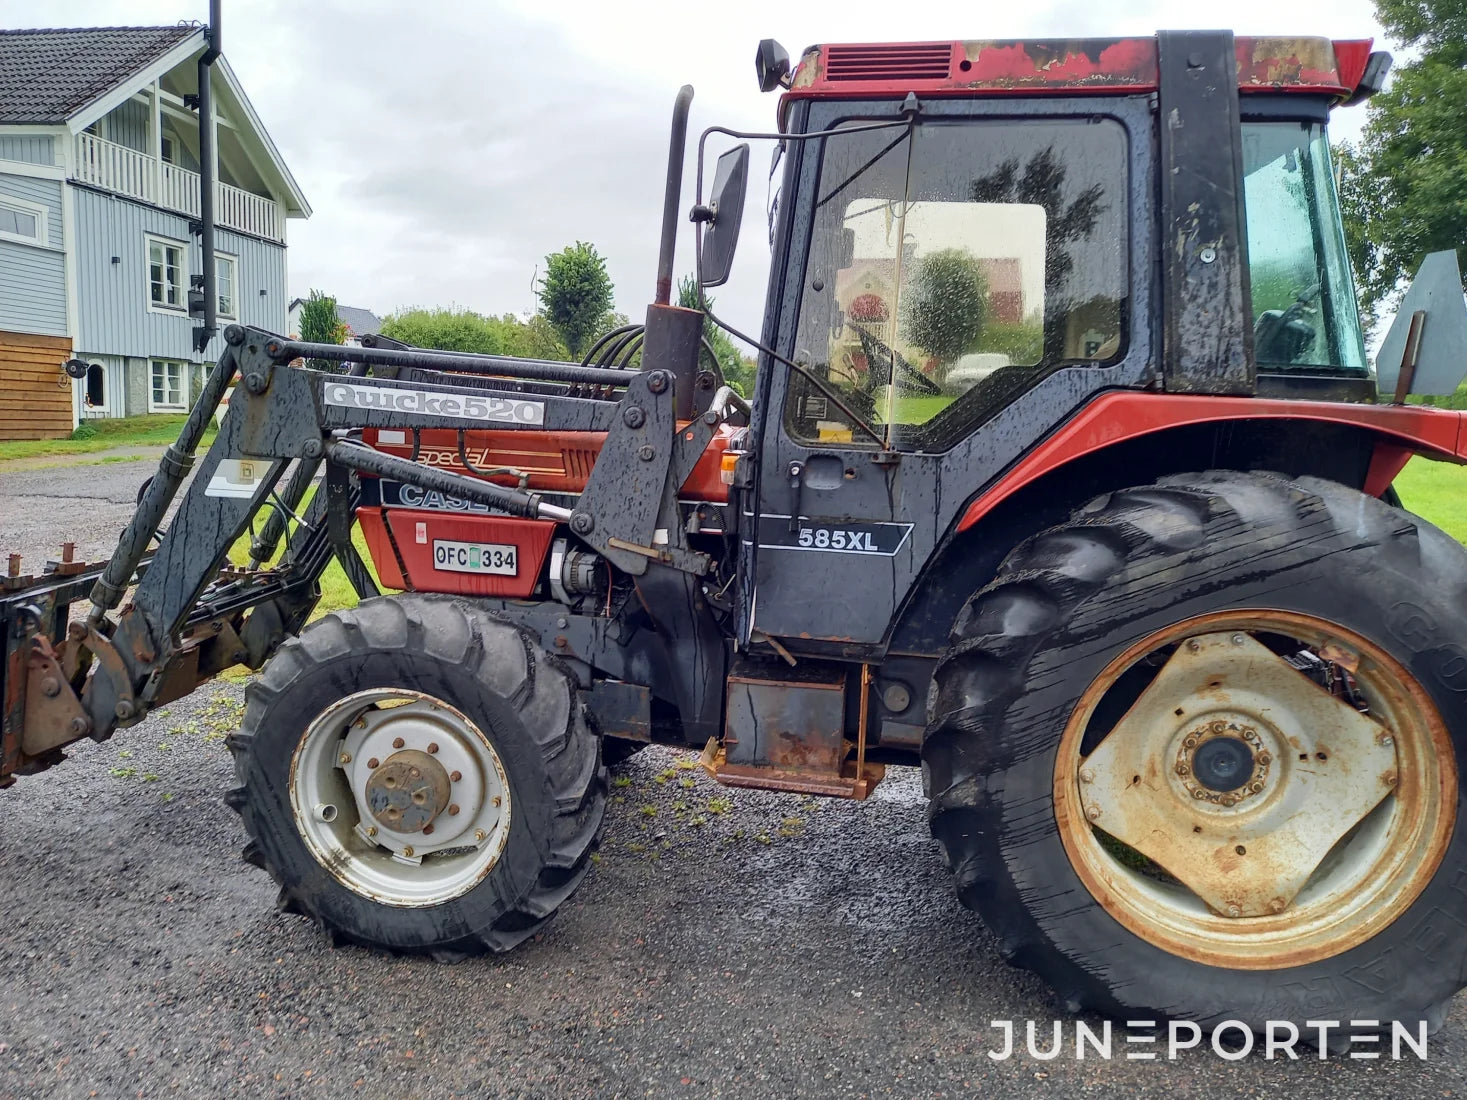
[
  {"x": 233, "y": 262},
  {"x": 35, "y": 210},
  {"x": 183, "y": 372},
  {"x": 180, "y": 310}
]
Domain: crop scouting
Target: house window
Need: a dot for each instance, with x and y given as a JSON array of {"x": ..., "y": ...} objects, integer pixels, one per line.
[
  {"x": 169, "y": 390},
  {"x": 22, "y": 221},
  {"x": 166, "y": 147},
  {"x": 224, "y": 268},
  {"x": 167, "y": 274}
]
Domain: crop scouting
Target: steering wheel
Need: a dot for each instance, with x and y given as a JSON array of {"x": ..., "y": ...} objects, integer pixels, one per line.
[{"x": 910, "y": 374}]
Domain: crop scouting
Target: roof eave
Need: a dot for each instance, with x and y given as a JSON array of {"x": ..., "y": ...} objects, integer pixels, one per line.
[{"x": 124, "y": 89}]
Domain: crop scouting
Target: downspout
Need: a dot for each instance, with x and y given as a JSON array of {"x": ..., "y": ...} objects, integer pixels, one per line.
[{"x": 205, "y": 332}]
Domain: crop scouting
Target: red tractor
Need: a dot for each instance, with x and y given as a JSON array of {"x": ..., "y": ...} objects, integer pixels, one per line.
[{"x": 1065, "y": 476}]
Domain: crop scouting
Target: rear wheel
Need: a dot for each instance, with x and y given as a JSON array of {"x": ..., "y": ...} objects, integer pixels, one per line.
[
  {"x": 1193, "y": 754},
  {"x": 420, "y": 777}
]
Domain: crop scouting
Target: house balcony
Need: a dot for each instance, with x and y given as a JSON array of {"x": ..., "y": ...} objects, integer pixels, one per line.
[{"x": 124, "y": 171}]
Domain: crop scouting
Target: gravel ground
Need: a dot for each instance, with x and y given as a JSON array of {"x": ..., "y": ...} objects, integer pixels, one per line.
[
  {"x": 47, "y": 501},
  {"x": 727, "y": 943}
]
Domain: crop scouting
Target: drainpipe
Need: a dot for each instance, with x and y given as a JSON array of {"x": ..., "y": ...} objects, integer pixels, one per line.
[{"x": 205, "y": 332}]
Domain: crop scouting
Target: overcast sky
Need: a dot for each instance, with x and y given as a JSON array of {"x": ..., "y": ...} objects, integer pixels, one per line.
[{"x": 447, "y": 145}]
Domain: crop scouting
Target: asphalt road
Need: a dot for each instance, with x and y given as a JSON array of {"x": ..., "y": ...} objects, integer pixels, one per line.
[{"x": 726, "y": 943}]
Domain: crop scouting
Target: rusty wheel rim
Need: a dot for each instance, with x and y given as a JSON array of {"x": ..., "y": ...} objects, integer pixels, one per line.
[
  {"x": 401, "y": 797},
  {"x": 1312, "y": 825}
]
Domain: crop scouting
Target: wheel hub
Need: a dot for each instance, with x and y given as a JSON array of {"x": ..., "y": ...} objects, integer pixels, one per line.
[
  {"x": 408, "y": 791},
  {"x": 1223, "y": 761}
]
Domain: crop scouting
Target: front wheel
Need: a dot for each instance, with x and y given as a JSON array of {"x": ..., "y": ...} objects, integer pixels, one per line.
[
  {"x": 1193, "y": 755},
  {"x": 420, "y": 777}
]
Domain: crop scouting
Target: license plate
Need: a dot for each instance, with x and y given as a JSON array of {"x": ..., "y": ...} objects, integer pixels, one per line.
[{"x": 476, "y": 557}]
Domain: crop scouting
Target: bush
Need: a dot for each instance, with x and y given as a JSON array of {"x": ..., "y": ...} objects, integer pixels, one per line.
[{"x": 85, "y": 430}]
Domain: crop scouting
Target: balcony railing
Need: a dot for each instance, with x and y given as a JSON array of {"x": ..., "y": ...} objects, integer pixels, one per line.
[{"x": 117, "y": 168}]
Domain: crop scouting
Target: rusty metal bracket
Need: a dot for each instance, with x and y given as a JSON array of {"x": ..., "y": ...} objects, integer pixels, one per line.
[
  {"x": 118, "y": 682},
  {"x": 53, "y": 714}
]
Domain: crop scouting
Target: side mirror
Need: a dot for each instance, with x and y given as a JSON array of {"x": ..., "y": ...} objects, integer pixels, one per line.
[
  {"x": 772, "y": 64},
  {"x": 1425, "y": 351},
  {"x": 722, "y": 215}
]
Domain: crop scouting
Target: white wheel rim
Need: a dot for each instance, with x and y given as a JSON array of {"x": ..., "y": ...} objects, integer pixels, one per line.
[
  {"x": 400, "y": 797},
  {"x": 1366, "y": 839}
]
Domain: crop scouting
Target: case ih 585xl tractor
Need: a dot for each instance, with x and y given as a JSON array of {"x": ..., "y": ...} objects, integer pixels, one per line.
[{"x": 1064, "y": 475}]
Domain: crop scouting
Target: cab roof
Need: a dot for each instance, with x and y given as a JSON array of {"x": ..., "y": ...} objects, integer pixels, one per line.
[{"x": 1091, "y": 66}]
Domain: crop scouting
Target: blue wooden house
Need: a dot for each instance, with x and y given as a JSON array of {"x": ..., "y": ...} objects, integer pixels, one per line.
[{"x": 99, "y": 200}]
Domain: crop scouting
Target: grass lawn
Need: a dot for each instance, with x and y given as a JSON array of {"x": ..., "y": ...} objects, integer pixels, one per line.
[
  {"x": 1437, "y": 492},
  {"x": 101, "y": 435}
]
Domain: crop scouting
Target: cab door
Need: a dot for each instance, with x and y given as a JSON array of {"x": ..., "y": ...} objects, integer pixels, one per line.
[{"x": 955, "y": 262}]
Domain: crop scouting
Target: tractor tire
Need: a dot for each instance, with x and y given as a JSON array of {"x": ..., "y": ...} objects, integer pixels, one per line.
[
  {"x": 407, "y": 710},
  {"x": 1063, "y": 672}
]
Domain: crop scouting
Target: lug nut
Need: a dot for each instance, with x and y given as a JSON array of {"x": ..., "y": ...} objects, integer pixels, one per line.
[
  {"x": 1386, "y": 740},
  {"x": 79, "y": 726},
  {"x": 371, "y": 830},
  {"x": 346, "y": 758},
  {"x": 480, "y": 835},
  {"x": 495, "y": 801},
  {"x": 1278, "y": 905},
  {"x": 452, "y": 809},
  {"x": 407, "y": 851},
  {"x": 1093, "y": 813},
  {"x": 1194, "y": 645},
  {"x": 427, "y": 829},
  {"x": 454, "y": 777},
  {"x": 1389, "y": 779},
  {"x": 1087, "y": 775},
  {"x": 1182, "y": 769},
  {"x": 397, "y": 742},
  {"x": 51, "y": 687},
  {"x": 1234, "y": 911},
  {"x": 1265, "y": 758},
  {"x": 432, "y": 747},
  {"x": 373, "y": 762},
  {"x": 1237, "y": 639}
]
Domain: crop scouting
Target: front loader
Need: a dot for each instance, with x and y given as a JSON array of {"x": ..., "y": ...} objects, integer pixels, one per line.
[{"x": 1065, "y": 476}]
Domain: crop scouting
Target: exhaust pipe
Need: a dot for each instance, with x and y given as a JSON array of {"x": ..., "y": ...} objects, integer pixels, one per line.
[
  {"x": 672, "y": 336},
  {"x": 672, "y": 198}
]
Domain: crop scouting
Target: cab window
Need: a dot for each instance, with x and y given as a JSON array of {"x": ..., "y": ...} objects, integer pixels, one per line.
[
  {"x": 952, "y": 266},
  {"x": 1304, "y": 312}
]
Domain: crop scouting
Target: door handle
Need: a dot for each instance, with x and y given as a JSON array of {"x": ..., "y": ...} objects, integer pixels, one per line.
[{"x": 796, "y": 483}]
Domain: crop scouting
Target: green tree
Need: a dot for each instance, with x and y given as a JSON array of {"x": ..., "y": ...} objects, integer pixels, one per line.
[
  {"x": 321, "y": 325},
  {"x": 942, "y": 311},
  {"x": 1404, "y": 189},
  {"x": 447, "y": 329},
  {"x": 738, "y": 369},
  {"x": 575, "y": 294},
  {"x": 453, "y": 328}
]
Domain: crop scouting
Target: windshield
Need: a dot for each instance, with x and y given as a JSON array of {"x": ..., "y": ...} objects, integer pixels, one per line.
[
  {"x": 953, "y": 265},
  {"x": 1304, "y": 312}
]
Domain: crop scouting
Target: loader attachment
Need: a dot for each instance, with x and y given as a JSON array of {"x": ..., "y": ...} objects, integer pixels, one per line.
[{"x": 193, "y": 612}]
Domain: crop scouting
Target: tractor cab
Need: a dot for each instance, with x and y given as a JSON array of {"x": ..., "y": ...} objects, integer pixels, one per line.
[{"x": 976, "y": 236}]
